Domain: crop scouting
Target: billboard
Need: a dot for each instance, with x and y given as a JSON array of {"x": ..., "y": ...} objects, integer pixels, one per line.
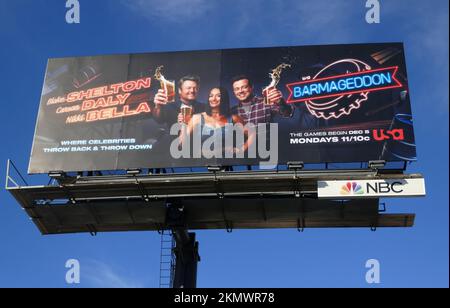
[{"x": 267, "y": 106}]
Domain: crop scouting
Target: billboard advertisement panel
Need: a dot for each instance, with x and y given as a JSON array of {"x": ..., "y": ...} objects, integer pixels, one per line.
[{"x": 267, "y": 106}]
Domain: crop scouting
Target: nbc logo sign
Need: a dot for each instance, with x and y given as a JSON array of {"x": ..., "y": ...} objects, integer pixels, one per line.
[
  {"x": 371, "y": 188},
  {"x": 351, "y": 188}
]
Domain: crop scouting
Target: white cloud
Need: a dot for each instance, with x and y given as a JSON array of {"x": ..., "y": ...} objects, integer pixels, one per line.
[
  {"x": 175, "y": 11},
  {"x": 100, "y": 275}
]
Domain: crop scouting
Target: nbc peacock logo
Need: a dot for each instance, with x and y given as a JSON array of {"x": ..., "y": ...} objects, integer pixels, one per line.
[{"x": 351, "y": 188}]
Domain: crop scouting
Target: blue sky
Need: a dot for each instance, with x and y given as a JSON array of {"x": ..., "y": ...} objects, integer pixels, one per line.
[{"x": 33, "y": 30}]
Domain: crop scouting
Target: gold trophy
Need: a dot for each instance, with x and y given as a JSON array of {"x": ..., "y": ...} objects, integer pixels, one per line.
[
  {"x": 276, "y": 76},
  {"x": 167, "y": 85}
]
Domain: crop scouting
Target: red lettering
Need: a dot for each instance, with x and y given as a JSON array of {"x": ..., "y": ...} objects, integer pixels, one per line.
[
  {"x": 126, "y": 111},
  {"x": 144, "y": 83},
  {"x": 106, "y": 113},
  {"x": 143, "y": 107},
  {"x": 96, "y": 92},
  {"x": 397, "y": 134},
  {"x": 91, "y": 116},
  {"x": 72, "y": 97},
  {"x": 85, "y": 94},
  {"x": 129, "y": 86},
  {"x": 114, "y": 112},
  {"x": 88, "y": 104},
  {"x": 101, "y": 102},
  {"x": 116, "y": 87},
  {"x": 123, "y": 98},
  {"x": 380, "y": 137}
]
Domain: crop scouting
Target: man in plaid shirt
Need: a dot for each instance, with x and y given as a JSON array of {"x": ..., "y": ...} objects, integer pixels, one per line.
[{"x": 252, "y": 108}]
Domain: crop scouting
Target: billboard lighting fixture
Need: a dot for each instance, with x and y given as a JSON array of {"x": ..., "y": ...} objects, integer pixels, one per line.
[
  {"x": 56, "y": 174},
  {"x": 403, "y": 95},
  {"x": 214, "y": 168},
  {"x": 377, "y": 164},
  {"x": 295, "y": 165},
  {"x": 133, "y": 171}
]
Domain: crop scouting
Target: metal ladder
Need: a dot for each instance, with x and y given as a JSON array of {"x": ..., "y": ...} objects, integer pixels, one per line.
[{"x": 167, "y": 259}]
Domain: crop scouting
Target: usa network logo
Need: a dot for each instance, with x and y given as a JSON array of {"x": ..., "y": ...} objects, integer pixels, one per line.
[{"x": 351, "y": 188}]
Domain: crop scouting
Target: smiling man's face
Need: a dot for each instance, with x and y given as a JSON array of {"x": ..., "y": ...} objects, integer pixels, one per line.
[
  {"x": 242, "y": 89},
  {"x": 188, "y": 91}
]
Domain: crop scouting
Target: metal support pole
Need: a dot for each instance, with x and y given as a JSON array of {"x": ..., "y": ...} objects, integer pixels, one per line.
[
  {"x": 186, "y": 259},
  {"x": 186, "y": 247}
]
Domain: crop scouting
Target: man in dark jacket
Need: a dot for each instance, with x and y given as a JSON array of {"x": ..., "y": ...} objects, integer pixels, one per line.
[{"x": 171, "y": 113}]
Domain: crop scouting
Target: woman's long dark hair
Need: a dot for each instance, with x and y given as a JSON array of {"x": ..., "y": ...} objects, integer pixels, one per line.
[{"x": 224, "y": 107}]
